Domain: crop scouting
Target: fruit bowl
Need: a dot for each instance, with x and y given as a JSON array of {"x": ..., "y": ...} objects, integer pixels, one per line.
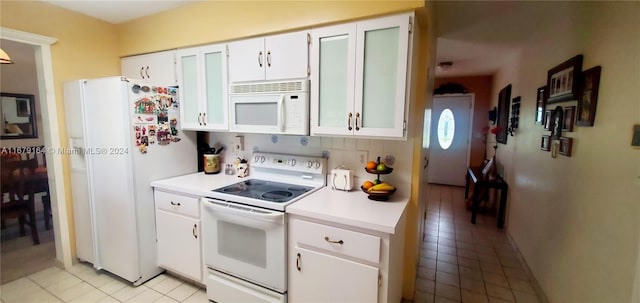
[
  {"x": 388, "y": 170},
  {"x": 379, "y": 195}
]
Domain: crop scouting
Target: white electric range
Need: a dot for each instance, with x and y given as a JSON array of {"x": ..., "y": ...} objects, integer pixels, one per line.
[{"x": 244, "y": 227}]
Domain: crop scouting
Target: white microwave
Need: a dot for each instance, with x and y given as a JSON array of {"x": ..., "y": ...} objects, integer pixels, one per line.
[{"x": 270, "y": 107}]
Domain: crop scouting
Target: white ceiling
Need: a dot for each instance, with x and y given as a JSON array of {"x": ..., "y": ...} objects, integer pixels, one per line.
[
  {"x": 118, "y": 11},
  {"x": 477, "y": 36}
]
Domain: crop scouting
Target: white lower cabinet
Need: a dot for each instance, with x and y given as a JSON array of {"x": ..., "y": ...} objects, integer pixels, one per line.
[
  {"x": 178, "y": 234},
  {"x": 320, "y": 277},
  {"x": 330, "y": 262}
]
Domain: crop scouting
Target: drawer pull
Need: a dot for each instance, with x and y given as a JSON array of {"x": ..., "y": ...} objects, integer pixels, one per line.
[
  {"x": 298, "y": 259},
  {"x": 175, "y": 204},
  {"x": 333, "y": 241}
]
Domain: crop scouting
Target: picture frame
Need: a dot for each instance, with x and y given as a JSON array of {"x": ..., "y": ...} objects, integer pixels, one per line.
[
  {"x": 540, "y": 105},
  {"x": 503, "y": 113},
  {"x": 569, "y": 118},
  {"x": 588, "y": 101},
  {"x": 545, "y": 143},
  {"x": 547, "y": 119},
  {"x": 563, "y": 81},
  {"x": 557, "y": 120},
  {"x": 566, "y": 145},
  {"x": 515, "y": 113}
]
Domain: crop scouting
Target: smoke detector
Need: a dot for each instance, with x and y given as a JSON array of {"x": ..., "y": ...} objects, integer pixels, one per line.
[{"x": 445, "y": 65}]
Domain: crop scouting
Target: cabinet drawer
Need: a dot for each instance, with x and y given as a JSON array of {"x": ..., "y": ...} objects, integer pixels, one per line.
[
  {"x": 336, "y": 240},
  {"x": 188, "y": 206}
]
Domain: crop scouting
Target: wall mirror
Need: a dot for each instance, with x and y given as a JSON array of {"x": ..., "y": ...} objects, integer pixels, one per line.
[{"x": 18, "y": 116}]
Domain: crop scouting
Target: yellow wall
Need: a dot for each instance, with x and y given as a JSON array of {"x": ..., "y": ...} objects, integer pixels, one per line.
[
  {"x": 86, "y": 48},
  {"x": 576, "y": 220},
  {"x": 212, "y": 21}
]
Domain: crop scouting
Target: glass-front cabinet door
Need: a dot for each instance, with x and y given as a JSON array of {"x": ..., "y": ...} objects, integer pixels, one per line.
[
  {"x": 332, "y": 78},
  {"x": 381, "y": 72},
  {"x": 215, "y": 87},
  {"x": 358, "y": 78},
  {"x": 202, "y": 81},
  {"x": 187, "y": 72}
]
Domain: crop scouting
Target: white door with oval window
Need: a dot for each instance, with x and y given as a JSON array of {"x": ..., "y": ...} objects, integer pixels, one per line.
[{"x": 449, "y": 139}]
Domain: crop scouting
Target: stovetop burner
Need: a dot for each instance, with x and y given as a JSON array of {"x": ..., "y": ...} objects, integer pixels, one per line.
[
  {"x": 265, "y": 190},
  {"x": 276, "y": 195}
]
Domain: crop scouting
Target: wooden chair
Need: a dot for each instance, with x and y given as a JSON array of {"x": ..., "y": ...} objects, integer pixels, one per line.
[{"x": 17, "y": 186}]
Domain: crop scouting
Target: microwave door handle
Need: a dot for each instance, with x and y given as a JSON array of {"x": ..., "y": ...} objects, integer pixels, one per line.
[{"x": 281, "y": 113}]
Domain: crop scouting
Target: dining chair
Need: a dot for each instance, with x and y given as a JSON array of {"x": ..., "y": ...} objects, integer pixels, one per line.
[{"x": 18, "y": 194}]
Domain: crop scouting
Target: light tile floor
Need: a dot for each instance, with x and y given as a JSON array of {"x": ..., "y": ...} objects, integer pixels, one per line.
[
  {"x": 462, "y": 262},
  {"x": 84, "y": 284}
]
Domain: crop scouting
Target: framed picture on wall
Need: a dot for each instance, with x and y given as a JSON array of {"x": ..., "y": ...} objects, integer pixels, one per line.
[
  {"x": 503, "y": 113},
  {"x": 547, "y": 120},
  {"x": 589, "y": 98},
  {"x": 557, "y": 121},
  {"x": 540, "y": 105},
  {"x": 545, "y": 143},
  {"x": 565, "y": 146},
  {"x": 563, "y": 80},
  {"x": 569, "y": 118}
]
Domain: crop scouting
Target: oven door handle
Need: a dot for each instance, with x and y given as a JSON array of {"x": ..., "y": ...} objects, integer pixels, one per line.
[{"x": 240, "y": 214}]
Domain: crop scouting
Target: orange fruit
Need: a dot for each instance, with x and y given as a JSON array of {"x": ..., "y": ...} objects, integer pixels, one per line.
[
  {"x": 367, "y": 184},
  {"x": 371, "y": 165}
]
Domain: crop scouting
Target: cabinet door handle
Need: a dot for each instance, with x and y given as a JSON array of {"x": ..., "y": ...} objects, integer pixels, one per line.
[
  {"x": 269, "y": 58},
  {"x": 298, "y": 262},
  {"x": 195, "y": 227},
  {"x": 357, "y": 118},
  {"x": 260, "y": 58},
  {"x": 141, "y": 70},
  {"x": 349, "y": 121},
  {"x": 175, "y": 203},
  {"x": 146, "y": 71},
  {"x": 333, "y": 241},
  {"x": 204, "y": 119},
  {"x": 200, "y": 118}
]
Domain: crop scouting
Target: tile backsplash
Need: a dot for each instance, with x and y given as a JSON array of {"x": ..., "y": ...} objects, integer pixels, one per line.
[{"x": 350, "y": 152}]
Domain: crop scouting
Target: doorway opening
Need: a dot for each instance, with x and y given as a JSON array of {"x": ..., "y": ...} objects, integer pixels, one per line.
[{"x": 48, "y": 133}]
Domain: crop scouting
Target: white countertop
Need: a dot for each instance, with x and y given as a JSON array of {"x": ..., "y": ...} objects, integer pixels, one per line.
[
  {"x": 354, "y": 208},
  {"x": 350, "y": 208},
  {"x": 198, "y": 184}
]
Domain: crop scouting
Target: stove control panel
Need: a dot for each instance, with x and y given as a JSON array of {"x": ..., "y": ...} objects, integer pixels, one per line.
[{"x": 309, "y": 164}]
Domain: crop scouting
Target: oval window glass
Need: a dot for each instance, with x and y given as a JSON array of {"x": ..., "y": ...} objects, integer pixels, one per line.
[{"x": 446, "y": 128}]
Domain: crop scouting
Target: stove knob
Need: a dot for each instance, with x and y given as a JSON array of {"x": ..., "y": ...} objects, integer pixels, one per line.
[
  {"x": 256, "y": 159},
  {"x": 293, "y": 162},
  {"x": 262, "y": 159},
  {"x": 309, "y": 164},
  {"x": 317, "y": 164}
]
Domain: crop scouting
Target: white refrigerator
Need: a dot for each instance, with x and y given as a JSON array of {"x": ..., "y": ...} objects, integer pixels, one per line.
[{"x": 123, "y": 134}]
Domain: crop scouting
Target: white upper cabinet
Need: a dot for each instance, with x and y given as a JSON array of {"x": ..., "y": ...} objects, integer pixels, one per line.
[
  {"x": 275, "y": 57},
  {"x": 333, "y": 57},
  {"x": 359, "y": 77},
  {"x": 155, "y": 68},
  {"x": 202, "y": 78}
]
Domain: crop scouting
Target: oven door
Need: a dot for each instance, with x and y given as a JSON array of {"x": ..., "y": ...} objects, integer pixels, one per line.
[
  {"x": 245, "y": 242},
  {"x": 262, "y": 113}
]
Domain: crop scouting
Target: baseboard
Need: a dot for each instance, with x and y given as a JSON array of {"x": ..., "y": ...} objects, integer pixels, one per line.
[{"x": 539, "y": 292}]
